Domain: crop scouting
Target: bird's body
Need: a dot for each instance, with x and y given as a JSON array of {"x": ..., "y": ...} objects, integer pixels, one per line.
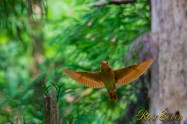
[{"x": 108, "y": 77}]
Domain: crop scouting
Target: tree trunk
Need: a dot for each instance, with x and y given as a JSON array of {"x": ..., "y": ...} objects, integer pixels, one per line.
[{"x": 169, "y": 71}]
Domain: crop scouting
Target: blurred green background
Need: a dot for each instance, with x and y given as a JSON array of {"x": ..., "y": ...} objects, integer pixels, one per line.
[{"x": 38, "y": 38}]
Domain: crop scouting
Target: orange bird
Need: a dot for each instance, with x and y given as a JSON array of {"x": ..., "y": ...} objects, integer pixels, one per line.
[{"x": 110, "y": 78}]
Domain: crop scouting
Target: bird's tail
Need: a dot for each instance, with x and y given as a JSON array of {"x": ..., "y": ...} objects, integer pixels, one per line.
[{"x": 112, "y": 94}]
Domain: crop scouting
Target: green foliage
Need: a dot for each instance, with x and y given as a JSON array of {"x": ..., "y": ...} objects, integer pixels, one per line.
[{"x": 74, "y": 36}]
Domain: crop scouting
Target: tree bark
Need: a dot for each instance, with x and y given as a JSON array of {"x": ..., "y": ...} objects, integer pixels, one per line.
[
  {"x": 51, "y": 109},
  {"x": 169, "y": 72}
]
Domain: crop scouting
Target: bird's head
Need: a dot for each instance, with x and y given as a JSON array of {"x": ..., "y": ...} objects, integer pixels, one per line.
[{"x": 104, "y": 64}]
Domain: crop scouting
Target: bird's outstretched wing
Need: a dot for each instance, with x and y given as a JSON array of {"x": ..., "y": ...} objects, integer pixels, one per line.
[
  {"x": 130, "y": 73},
  {"x": 90, "y": 79}
]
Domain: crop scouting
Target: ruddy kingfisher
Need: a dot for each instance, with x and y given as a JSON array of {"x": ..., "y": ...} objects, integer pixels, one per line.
[{"x": 108, "y": 77}]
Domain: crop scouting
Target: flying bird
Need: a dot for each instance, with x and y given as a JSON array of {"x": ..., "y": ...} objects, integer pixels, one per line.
[{"x": 108, "y": 77}]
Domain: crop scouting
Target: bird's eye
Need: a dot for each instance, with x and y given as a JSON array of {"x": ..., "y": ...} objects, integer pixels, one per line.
[{"x": 106, "y": 62}]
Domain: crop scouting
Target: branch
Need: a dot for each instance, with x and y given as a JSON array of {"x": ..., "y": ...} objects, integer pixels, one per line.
[{"x": 116, "y": 2}]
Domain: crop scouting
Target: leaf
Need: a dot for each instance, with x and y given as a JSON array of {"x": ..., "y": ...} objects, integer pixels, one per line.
[{"x": 107, "y": 1}]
